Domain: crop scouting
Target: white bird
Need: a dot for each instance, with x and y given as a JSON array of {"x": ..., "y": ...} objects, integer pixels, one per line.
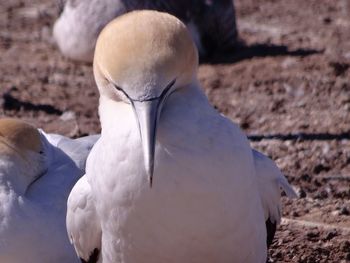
[
  {"x": 170, "y": 180},
  {"x": 211, "y": 23},
  {"x": 37, "y": 172}
]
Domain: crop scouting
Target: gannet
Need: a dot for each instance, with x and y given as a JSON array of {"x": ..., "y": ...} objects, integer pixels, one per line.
[
  {"x": 170, "y": 180},
  {"x": 36, "y": 176},
  {"x": 211, "y": 23}
]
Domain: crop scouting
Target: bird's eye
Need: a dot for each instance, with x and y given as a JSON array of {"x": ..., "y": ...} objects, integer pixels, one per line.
[
  {"x": 41, "y": 152},
  {"x": 166, "y": 92},
  {"x": 171, "y": 84},
  {"x": 122, "y": 94},
  {"x": 120, "y": 89}
]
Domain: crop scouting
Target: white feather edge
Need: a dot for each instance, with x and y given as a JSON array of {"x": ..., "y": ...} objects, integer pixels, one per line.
[
  {"x": 270, "y": 183},
  {"x": 82, "y": 222},
  {"x": 77, "y": 149}
]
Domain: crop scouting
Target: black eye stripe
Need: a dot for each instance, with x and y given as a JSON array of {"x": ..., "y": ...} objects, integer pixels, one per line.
[
  {"x": 121, "y": 90},
  {"x": 164, "y": 92}
]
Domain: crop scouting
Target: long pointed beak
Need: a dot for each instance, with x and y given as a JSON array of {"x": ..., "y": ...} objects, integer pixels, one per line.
[{"x": 147, "y": 115}]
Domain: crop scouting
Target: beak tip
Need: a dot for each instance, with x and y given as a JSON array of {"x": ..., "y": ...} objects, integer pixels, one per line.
[
  {"x": 149, "y": 172},
  {"x": 150, "y": 181},
  {"x": 150, "y": 176}
]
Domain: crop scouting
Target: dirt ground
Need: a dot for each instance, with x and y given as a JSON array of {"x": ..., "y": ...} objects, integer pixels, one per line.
[{"x": 288, "y": 87}]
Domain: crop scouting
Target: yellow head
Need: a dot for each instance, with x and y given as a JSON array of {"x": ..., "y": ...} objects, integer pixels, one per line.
[
  {"x": 21, "y": 153},
  {"x": 141, "y": 58},
  {"x": 18, "y": 137},
  {"x": 142, "y": 52}
]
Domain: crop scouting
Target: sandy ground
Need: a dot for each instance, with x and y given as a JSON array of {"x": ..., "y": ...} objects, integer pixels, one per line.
[{"x": 288, "y": 87}]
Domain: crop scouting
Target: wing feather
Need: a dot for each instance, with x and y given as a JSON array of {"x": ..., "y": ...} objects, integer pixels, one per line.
[
  {"x": 77, "y": 149},
  {"x": 271, "y": 181},
  {"x": 83, "y": 226}
]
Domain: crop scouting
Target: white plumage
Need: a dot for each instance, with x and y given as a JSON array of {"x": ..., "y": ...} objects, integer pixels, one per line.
[
  {"x": 270, "y": 181},
  {"x": 170, "y": 180},
  {"x": 36, "y": 176},
  {"x": 83, "y": 221}
]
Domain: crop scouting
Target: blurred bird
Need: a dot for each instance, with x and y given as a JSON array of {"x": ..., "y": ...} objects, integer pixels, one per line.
[
  {"x": 170, "y": 180},
  {"x": 211, "y": 23},
  {"x": 37, "y": 172}
]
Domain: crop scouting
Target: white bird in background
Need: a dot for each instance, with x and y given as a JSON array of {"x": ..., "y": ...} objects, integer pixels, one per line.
[
  {"x": 37, "y": 172},
  {"x": 170, "y": 180},
  {"x": 211, "y": 23}
]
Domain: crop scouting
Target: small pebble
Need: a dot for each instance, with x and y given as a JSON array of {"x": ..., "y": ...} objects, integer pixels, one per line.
[
  {"x": 301, "y": 193},
  {"x": 344, "y": 211},
  {"x": 331, "y": 234}
]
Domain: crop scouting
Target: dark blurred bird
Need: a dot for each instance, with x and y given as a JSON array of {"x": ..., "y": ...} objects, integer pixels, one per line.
[{"x": 212, "y": 23}]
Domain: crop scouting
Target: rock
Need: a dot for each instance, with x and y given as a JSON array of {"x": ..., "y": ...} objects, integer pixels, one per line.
[
  {"x": 344, "y": 211},
  {"x": 331, "y": 234},
  {"x": 301, "y": 193},
  {"x": 312, "y": 235}
]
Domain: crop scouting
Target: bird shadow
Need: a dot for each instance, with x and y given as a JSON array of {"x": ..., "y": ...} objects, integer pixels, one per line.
[
  {"x": 243, "y": 52},
  {"x": 12, "y": 103},
  {"x": 301, "y": 136}
]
